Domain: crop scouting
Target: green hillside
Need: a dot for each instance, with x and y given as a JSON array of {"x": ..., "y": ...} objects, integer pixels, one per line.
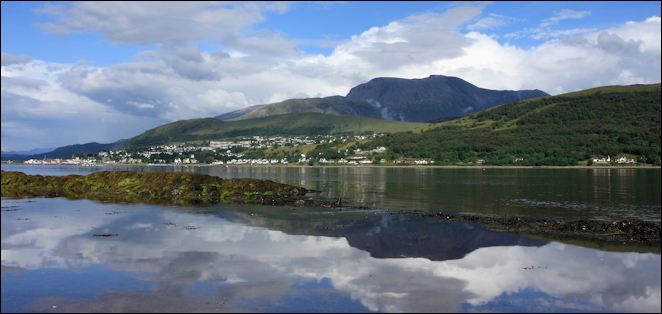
[
  {"x": 568, "y": 129},
  {"x": 69, "y": 150},
  {"x": 335, "y": 105},
  {"x": 287, "y": 124}
]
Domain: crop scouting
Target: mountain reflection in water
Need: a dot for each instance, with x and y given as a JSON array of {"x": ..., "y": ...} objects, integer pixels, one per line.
[{"x": 193, "y": 259}]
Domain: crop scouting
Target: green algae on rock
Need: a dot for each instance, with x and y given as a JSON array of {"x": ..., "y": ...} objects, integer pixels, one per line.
[{"x": 131, "y": 186}]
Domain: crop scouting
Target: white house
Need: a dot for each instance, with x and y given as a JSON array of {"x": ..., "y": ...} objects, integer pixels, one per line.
[
  {"x": 625, "y": 160},
  {"x": 602, "y": 160}
]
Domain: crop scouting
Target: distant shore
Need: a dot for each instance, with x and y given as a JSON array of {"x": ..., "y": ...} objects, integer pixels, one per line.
[{"x": 647, "y": 166}]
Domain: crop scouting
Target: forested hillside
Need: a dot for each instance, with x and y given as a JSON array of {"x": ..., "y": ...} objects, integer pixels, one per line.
[{"x": 568, "y": 129}]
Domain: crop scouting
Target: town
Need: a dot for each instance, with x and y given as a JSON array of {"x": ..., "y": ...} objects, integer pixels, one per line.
[
  {"x": 271, "y": 150},
  {"x": 255, "y": 150}
]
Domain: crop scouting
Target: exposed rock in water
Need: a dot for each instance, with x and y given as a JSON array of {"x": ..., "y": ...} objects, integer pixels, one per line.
[
  {"x": 131, "y": 186},
  {"x": 623, "y": 231}
]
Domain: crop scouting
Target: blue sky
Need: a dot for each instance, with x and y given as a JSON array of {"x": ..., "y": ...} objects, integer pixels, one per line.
[
  {"x": 103, "y": 71},
  {"x": 311, "y": 23}
]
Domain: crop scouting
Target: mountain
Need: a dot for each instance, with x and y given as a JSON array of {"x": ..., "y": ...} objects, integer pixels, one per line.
[
  {"x": 28, "y": 152},
  {"x": 567, "y": 129},
  {"x": 433, "y": 98},
  {"x": 309, "y": 123},
  {"x": 397, "y": 235},
  {"x": 10, "y": 156},
  {"x": 22, "y": 155},
  {"x": 69, "y": 150}
]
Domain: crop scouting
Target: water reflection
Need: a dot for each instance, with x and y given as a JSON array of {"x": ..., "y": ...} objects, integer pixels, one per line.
[
  {"x": 595, "y": 193},
  {"x": 157, "y": 264},
  {"x": 396, "y": 236}
]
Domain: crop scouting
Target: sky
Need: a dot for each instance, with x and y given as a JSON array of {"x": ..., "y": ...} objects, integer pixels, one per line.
[{"x": 78, "y": 72}]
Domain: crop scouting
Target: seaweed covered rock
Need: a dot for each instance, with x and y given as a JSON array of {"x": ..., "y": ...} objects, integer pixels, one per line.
[
  {"x": 131, "y": 186},
  {"x": 621, "y": 230}
]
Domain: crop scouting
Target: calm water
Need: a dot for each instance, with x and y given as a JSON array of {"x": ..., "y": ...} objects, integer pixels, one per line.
[
  {"x": 593, "y": 193},
  {"x": 257, "y": 258},
  {"x": 252, "y": 258}
]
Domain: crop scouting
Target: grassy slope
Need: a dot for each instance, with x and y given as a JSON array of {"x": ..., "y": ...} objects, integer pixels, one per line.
[
  {"x": 328, "y": 105},
  {"x": 556, "y": 130},
  {"x": 288, "y": 124}
]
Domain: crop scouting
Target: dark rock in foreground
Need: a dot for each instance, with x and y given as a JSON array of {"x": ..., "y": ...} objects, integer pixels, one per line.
[{"x": 131, "y": 186}]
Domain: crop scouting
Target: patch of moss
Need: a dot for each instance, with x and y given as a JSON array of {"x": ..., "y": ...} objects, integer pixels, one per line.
[
  {"x": 128, "y": 182},
  {"x": 225, "y": 197}
]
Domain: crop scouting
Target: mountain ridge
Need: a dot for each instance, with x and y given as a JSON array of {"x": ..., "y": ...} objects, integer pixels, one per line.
[{"x": 436, "y": 97}]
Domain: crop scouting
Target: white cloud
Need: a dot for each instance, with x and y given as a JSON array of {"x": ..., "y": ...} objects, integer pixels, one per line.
[
  {"x": 546, "y": 29},
  {"x": 491, "y": 21},
  {"x": 145, "y": 22},
  {"x": 38, "y": 112},
  {"x": 626, "y": 54},
  {"x": 418, "y": 39},
  {"x": 9, "y": 59},
  {"x": 564, "y": 14}
]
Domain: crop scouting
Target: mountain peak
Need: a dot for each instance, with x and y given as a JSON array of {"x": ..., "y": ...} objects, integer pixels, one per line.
[{"x": 432, "y": 98}]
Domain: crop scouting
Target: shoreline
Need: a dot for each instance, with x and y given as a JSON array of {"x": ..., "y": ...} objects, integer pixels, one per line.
[{"x": 357, "y": 166}]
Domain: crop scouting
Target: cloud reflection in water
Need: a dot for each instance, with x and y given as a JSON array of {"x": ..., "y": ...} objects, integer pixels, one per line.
[{"x": 230, "y": 266}]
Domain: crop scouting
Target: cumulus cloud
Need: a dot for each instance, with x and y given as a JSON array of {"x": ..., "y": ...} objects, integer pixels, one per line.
[
  {"x": 153, "y": 89},
  {"x": 417, "y": 39},
  {"x": 176, "y": 80},
  {"x": 144, "y": 22},
  {"x": 191, "y": 63},
  {"x": 626, "y": 54},
  {"x": 38, "y": 112},
  {"x": 9, "y": 59}
]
